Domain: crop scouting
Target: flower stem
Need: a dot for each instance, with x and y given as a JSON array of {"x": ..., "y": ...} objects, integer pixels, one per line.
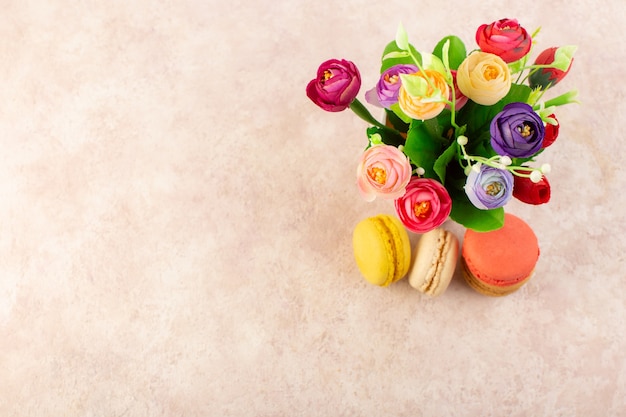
[{"x": 360, "y": 110}]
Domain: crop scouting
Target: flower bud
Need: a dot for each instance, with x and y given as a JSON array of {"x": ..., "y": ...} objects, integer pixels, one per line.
[
  {"x": 551, "y": 132},
  {"x": 529, "y": 192},
  {"x": 549, "y": 77}
]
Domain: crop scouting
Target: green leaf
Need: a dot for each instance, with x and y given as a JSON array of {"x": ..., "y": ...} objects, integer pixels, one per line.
[
  {"x": 456, "y": 51},
  {"x": 414, "y": 86},
  {"x": 402, "y": 38},
  {"x": 387, "y": 136},
  {"x": 441, "y": 164},
  {"x": 421, "y": 148},
  {"x": 396, "y": 54},
  {"x": 395, "y": 108},
  {"x": 393, "y": 55},
  {"x": 468, "y": 215},
  {"x": 433, "y": 62}
]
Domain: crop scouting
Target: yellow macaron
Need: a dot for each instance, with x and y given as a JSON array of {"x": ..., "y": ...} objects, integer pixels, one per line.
[{"x": 382, "y": 249}]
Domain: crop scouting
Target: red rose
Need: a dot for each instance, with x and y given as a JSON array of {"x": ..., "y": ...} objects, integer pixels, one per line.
[
  {"x": 552, "y": 131},
  {"x": 547, "y": 77},
  {"x": 531, "y": 192},
  {"x": 336, "y": 86},
  {"x": 425, "y": 205},
  {"x": 505, "y": 38}
]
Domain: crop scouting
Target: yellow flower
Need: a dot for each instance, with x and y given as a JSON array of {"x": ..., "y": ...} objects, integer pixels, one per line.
[
  {"x": 429, "y": 104},
  {"x": 483, "y": 77}
]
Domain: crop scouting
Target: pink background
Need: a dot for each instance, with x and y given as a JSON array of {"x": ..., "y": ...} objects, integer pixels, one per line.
[{"x": 176, "y": 221}]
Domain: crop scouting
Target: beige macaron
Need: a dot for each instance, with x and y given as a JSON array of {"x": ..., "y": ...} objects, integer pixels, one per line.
[{"x": 436, "y": 256}]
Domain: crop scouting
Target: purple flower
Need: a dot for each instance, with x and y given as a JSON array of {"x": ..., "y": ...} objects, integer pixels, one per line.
[
  {"x": 385, "y": 93},
  {"x": 517, "y": 131},
  {"x": 336, "y": 86},
  {"x": 488, "y": 187}
]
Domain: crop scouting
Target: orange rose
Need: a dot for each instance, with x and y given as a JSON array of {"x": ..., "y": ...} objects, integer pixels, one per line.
[
  {"x": 483, "y": 77},
  {"x": 425, "y": 106}
]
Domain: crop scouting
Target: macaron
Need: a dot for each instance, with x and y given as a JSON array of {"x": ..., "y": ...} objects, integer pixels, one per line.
[
  {"x": 499, "y": 262},
  {"x": 436, "y": 254},
  {"x": 382, "y": 249}
]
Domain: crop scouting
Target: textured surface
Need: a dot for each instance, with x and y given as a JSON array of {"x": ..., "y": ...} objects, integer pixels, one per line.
[{"x": 176, "y": 222}]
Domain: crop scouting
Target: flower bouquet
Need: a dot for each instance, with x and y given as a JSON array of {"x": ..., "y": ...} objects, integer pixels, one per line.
[{"x": 461, "y": 131}]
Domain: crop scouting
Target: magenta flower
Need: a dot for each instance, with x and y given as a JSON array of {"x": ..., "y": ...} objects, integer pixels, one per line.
[
  {"x": 425, "y": 205},
  {"x": 385, "y": 93},
  {"x": 336, "y": 86}
]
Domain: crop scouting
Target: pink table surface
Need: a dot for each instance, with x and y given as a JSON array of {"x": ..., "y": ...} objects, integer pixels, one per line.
[{"x": 176, "y": 221}]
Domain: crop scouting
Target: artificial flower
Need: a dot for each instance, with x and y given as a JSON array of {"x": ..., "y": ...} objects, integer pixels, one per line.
[
  {"x": 383, "y": 171},
  {"x": 336, "y": 86},
  {"x": 488, "y": 187},
  {"x": 530, "y": 192},
  {"x": 432, "y": 135},
  {"x": 385, "y": 93},
  {"x": 517, "y": 131},
  {"x": 505, "y": 38},
  {"x": 549, "y": 77},
  {"x": 484, "y": 78},
  {"x": 432, "y": 99},
  {"x": 551, "y": 132},
  {"x": 425, "y": 205}
]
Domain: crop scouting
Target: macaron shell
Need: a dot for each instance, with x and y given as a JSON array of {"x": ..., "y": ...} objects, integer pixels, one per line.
[
  {"x": 382, "y": 249},
  {"x": 402, "y": 247},
  {"x": 490, "y": 290},
  {"x": 501, "y": 258},
  {"x": 436, "y": 254}
]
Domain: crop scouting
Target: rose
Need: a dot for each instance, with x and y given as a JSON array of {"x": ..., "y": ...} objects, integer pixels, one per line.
[
  {"x": 336, "y": 86},
  {"x": 488, "y": 187},
  {"x": 530, "y": 192},
  {"x": 425, "y": 205},
  {"x": 484, "y": 78},
  {"x": 431, "y": 101},
  {"x": 517, "y": 131},
  {"x": 547, "y": 77},
  {"x": 383, "y": 171},
  {"x": 505, "y": 38},
  {"x": 552, "y": 132},
  {"x": 385, "y": 93}
]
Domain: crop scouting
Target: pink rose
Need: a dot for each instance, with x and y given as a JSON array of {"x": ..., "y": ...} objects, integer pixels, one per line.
[
  {"x": 425, "y": 205},
  {"x": 505, "y": 38},
  {"x": 383, "y": 171}
]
